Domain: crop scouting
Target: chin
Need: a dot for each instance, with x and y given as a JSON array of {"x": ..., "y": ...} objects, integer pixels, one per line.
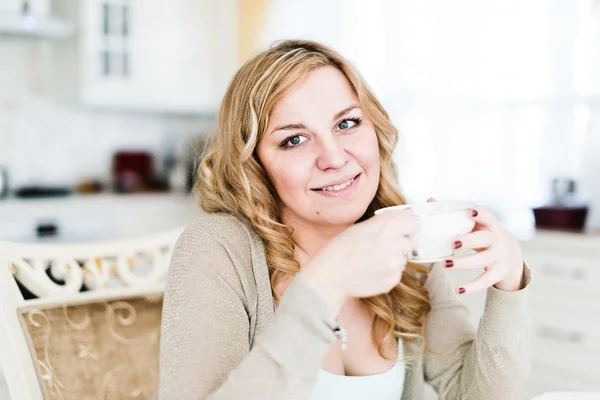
[{"x": 345, "y": 215}]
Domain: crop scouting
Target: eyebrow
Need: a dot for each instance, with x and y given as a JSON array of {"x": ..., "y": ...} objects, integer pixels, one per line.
[
  {"x": 345, "y": 110},
  {"x": 289, "y": 127},
  {"x": 301, "y": 126}
]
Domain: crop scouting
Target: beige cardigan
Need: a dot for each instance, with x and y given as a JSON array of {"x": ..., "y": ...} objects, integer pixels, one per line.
[{"x": 222, "y": 340}]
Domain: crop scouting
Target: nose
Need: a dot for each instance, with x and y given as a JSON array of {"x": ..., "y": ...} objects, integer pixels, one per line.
[{"x": 332, "y": 153}]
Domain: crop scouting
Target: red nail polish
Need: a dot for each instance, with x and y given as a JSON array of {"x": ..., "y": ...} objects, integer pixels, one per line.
[
  {"x": 449, "y": 263},
  {"x": 457, "y": 244},
  {"x": 461, "y": 290},
  {"x": 475, "y": 213}
]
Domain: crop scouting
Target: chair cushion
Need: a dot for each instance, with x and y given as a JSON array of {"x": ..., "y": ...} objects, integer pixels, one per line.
[{"x": 100, "y": 350}]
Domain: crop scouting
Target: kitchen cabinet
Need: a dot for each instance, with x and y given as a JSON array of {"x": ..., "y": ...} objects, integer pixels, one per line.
[
  {"x": 92, "y": 218},
  {"x": 3, "y": 388},
  {"x": 147, "y": 55}
]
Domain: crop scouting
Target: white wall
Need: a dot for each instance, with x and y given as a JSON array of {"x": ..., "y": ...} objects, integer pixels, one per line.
[
  {"x": 492, "y": 99},
  {"x": 42, "y": 141}
]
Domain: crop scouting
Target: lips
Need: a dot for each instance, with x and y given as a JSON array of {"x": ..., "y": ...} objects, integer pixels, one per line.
[{"x": 339, "y": 184}]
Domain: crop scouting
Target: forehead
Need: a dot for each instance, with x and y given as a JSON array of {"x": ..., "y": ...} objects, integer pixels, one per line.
[{"x": 324, "y": 91}]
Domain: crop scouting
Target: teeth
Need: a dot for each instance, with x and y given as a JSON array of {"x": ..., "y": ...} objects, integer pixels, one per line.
[{"x": 340, "y": 186}]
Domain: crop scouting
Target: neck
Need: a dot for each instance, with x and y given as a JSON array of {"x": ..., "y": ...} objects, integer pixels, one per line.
[{"x": 310, "y": 237}]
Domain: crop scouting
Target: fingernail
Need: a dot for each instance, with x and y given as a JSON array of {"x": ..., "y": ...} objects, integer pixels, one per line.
[
  {"x": 449, "y": 263},
  {"x": 475, "y": 213},
  {"x": 457, "y": 244},
  {"x": 461, "y": 290}
]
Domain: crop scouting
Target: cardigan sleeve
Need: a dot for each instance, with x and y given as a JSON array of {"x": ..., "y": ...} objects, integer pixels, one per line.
[{"x": 492, "y": 362}]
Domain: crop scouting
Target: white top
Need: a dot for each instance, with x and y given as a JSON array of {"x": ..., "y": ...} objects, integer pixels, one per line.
[{"x": 385, "y": 386}]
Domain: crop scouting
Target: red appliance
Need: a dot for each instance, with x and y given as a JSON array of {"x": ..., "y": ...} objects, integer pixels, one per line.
[{"x": 133, "y": 171}]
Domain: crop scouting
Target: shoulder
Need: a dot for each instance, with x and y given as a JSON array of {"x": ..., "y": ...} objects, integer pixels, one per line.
[
  {"x": 215, "y": 242},
  {"x": 215, "y": 227}
]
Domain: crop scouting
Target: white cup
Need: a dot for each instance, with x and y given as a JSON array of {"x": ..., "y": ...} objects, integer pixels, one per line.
[{"x": 440, "y": 223}]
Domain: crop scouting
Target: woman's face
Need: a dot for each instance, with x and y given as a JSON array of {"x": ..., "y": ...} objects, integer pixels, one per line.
[{"x": 321, "y": 152}]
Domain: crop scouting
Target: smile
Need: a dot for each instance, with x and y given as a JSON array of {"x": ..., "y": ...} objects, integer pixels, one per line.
[
  {"x": 341, "y": 186},
  {"x": 343, "y": 189}
]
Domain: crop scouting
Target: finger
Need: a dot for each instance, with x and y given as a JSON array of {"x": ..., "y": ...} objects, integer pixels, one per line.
[
  {"x": 384, "y": 216},
  {"x": 404, "y": 222},
  {"x": 391, "y": 212},
  {"x": 482, "y": 282},
  {"x": 408, "y": 225},
  {"x": 474, "y": 240},
  {"x": 431, "y": 199},
  {"x": 405, "y": 246},
  {"x": 484, "y": 217},
  {"x": 483, "y": 259}
]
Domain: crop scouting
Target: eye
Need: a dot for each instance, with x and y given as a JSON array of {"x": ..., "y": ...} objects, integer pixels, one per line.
[
  {"x": 348, "y": 123},
  {"x": 293, "y": 141}
]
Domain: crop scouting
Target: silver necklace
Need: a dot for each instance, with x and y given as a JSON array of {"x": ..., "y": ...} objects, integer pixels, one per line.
[
  {"x": 342, "y": 335},
  {"x": 339, "y": 330}
]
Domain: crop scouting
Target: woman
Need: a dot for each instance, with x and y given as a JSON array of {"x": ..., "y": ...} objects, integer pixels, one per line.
[{"x": 291, "y": 288}]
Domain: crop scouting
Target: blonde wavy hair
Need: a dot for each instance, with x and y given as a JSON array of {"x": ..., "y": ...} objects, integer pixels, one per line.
[{"x": 232, "y": 180}]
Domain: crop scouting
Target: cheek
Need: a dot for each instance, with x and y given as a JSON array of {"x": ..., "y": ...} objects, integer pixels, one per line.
[
  {"x": 290, "y": 176},
  {"x": 285, "y": 175},
  {"x": 366, "y": 150}
]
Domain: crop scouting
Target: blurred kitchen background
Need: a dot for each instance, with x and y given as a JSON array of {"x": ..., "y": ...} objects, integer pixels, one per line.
[{"x": 105, "y": 106}]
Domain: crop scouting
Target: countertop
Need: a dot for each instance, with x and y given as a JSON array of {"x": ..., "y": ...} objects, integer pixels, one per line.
[
  {"x": 10, "y": 204},
  {"x": 95, "y": 216}
]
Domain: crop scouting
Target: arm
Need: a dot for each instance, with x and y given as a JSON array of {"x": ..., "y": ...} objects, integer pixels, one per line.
[
  {"x": 490, "y": 363},
  {"x": 205, "y": 350}
]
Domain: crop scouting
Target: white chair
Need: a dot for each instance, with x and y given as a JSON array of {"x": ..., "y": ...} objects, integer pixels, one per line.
[{"x": 93, "y": 331}]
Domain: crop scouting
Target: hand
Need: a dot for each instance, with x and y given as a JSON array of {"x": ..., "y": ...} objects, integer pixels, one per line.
[
  {"x": 364, "y": 260},
  {"x": 497, "y": 252}
]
